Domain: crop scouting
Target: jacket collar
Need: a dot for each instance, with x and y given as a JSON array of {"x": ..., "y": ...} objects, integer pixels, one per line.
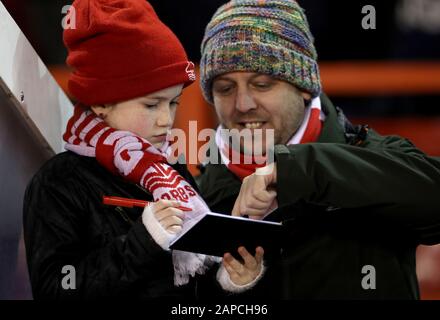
[{"x": 333, "y": 130}]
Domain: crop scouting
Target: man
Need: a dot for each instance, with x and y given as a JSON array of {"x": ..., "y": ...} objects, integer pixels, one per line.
[{"x": 354, "y": 204}]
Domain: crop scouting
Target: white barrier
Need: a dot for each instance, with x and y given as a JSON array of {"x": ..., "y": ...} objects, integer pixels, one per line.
[{"x": 26, "y": 80}]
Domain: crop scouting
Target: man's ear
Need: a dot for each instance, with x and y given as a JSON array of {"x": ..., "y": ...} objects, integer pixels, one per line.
[{"x": 307, "y": 96}]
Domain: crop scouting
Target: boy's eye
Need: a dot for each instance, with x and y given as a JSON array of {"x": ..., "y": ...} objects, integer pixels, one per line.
[
  {"x": 175, "y": 103},
  {"x": 150, "y": 106}
]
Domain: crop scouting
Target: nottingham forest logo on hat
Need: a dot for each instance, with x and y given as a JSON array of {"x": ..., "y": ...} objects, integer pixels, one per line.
[{"x": 190, "y": 71}]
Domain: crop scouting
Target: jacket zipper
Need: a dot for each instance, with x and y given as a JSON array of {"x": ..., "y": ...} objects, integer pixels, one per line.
[
  {"x": 122, "y": 212},
  {"x": 143, "y": 189},
  {"x": 123, "y": 215}
]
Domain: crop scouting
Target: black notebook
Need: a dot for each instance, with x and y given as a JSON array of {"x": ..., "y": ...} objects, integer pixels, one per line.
[{"x": 215, "y": 234}]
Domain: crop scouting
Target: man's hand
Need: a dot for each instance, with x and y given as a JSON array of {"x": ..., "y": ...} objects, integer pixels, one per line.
[
  {"x": 242, "y": 273},
  {"x": 257, "y": 195}
]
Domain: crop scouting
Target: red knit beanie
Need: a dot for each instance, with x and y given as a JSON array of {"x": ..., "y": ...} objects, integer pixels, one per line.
[{"x": 120, "y": 50}]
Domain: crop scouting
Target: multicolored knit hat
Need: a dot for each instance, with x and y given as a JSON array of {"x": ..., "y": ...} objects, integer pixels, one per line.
[{"x": 264, "y": 36}]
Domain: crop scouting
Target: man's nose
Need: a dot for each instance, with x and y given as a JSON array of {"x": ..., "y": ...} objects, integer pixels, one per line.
[{"x": 245, "y": 101}]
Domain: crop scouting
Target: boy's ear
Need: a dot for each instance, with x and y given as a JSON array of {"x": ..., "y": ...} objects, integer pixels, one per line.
[{"x": 100, "y": 110}]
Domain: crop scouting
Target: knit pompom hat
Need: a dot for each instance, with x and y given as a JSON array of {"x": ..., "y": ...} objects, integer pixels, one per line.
[
  {"x": 120, "y": 50},
  {"x": 264, "y": 36}
]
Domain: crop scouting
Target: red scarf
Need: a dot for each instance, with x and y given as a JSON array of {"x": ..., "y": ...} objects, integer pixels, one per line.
[{"x": 309, "y": 131}]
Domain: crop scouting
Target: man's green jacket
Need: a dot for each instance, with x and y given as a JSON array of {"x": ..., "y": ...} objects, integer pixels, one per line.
[{"x": 355, "y": 206}]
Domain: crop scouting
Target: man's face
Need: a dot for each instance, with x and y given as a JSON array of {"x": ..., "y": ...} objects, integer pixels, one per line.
[{"x": 257, "y": 101}]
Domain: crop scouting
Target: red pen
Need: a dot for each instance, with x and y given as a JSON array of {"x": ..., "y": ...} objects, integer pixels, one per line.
[{"x": 130, "y": 203}]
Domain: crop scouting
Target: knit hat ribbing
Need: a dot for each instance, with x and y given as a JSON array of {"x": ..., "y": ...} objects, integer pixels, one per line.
[
  {"x": 264, "y": 36},
  {"x": 120, "y": 50}
]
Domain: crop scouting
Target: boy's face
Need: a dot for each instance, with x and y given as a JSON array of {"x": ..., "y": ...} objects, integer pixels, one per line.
[
  {"x": 257, "y": 101},
  {"x": 150, "y": 117}
]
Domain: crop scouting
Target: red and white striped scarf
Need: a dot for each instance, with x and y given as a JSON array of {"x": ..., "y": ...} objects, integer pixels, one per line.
[
  {"x": 135, "y": 159},
  {"x": 309, "y": 131}
]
